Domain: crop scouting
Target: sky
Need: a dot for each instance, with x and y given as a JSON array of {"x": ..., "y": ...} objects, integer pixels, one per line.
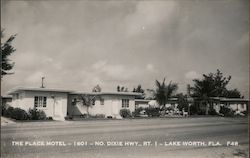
[{"x": 79, "y": 44}]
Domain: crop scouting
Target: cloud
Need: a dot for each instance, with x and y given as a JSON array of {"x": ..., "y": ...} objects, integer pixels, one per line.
[
  {"x": 34, "y": 77},
  {"x": 113, "y": 71},
  {"x": 192, "y": 75},
  {"x": 149, "y": 14},
  {"x": 151, "y": 68},
  {"x": 126, "y": 42}
]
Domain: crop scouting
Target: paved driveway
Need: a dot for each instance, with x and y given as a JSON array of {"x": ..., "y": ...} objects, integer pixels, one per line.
[{"x": 168, "y": 137}]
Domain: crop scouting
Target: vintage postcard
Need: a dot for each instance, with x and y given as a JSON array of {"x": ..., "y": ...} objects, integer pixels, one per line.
[{"x": 124, "y": 79}]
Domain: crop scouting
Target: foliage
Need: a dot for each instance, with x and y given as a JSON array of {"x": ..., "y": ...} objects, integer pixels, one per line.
[
  {"x": 6, "y": 51},
  {"x": 226, "y": 111},
  {"x": 87, "y": 101},
  {"x": 8, "y": 112},
  {"x": 20, "y": 114},
  {"x": 153, "y": 112},
  {"x": 16, "y": 113},
  {"x": 194, "y": 109},
  {"x": 3, "y": 109},
  {"x": 121, "y": 89},
  {"x": 164, "y": 92},
  {"x": 182, "y": 102},
  {"x": 212, "y": 111},
  {"x": 211, "y": 85},
  {"x": 139, "y": 90},
  {"x": 125, "y": 113},
  {"x": 234, "y": 93},
  {"x": 245, "y": 113},
  {"x": 68, "y": 117},
  {"x": 35, "y": 114},
  {"x": 137, "y": 112}
]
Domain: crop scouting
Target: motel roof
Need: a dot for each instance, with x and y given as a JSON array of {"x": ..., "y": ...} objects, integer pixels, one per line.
[
  {"x": 108, "y": 93},
  {"x": 19, "y": 89}
]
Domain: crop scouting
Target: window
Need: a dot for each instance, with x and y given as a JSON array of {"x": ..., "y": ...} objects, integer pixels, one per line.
[
  {"x": 102, "y": 101},
  {"x": 125, "y": 103},
  {"x": 36, "y": 101},
  {"x": 40, "y": 101},
  {"x": 44, "y": 101}
]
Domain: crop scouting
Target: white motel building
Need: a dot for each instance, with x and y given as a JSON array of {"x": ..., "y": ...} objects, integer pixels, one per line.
[{"x": 58, "y": 103}]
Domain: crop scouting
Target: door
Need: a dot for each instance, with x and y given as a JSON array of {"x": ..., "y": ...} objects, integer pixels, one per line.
[
  {"x": 58, "y": 111},
  {"x": 115, "y": 108}
]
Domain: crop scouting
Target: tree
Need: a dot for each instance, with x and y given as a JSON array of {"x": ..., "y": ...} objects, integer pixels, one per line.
[
  {"x": 6, "y": 50},
  {"x": 139, "y": 90},
  {"x": 234, "y": 93},
  {"x": 211, "y": 85},
  {"x": 164, "y": 92},
  {"x": 97, "y": 88},
  {"x": 182, "y": 102},
  {"x": 122, "y": 89},
  {"x": 87, "y": 101}
]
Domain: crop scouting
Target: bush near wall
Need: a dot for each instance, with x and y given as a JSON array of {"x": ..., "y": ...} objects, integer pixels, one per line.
[
  {"x": 16, "y": 113},
  {"x": 8, "y": 112},
  {"x": 137, "y": 111},
  {"x": 226, "y": 111},
  {"x": 153, "y": 112},
  {"x": 212, "y": 111},
  {"x": 20, "y": 114},
  {"x": 125, "y": 113},
  {"x": 37, "y": 114}
]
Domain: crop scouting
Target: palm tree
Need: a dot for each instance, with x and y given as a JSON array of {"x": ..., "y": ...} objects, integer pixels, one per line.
[
  {"x": 164, "y": 92},
  {"x": 203, "y": 90}
]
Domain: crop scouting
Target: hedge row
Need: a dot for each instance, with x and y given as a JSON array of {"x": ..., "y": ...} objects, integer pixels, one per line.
[{"x": 20, "y": 114}]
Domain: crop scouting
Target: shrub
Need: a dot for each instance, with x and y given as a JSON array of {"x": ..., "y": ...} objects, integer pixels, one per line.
[
  {"x": 19, "y": 114},
  {"x": 245, "y": 113},
  {"x": 37, "y": 114},
  {"x": 125, "y": 113},
  {"x": 226, "y": 111},
  {"x": 137, "y": 112},
  {"x": 212, "y": 111},
  {"x": 68, "y": 117},
  {"x": 49, "y": 118},
  {"x": 9, "y": 112},
  {"x": 153, "y": 112},
  {"x": 3, "y": 109},
  {"x": 193, "y": 109},
  {"x": 109, "y": 117}
]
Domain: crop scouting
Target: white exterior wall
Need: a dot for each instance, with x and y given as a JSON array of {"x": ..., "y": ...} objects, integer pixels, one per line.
[
  {"x": 112, "y": 106},
  {"x": 26, "y": 101},
  {"x": 239, "y": 107}
]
